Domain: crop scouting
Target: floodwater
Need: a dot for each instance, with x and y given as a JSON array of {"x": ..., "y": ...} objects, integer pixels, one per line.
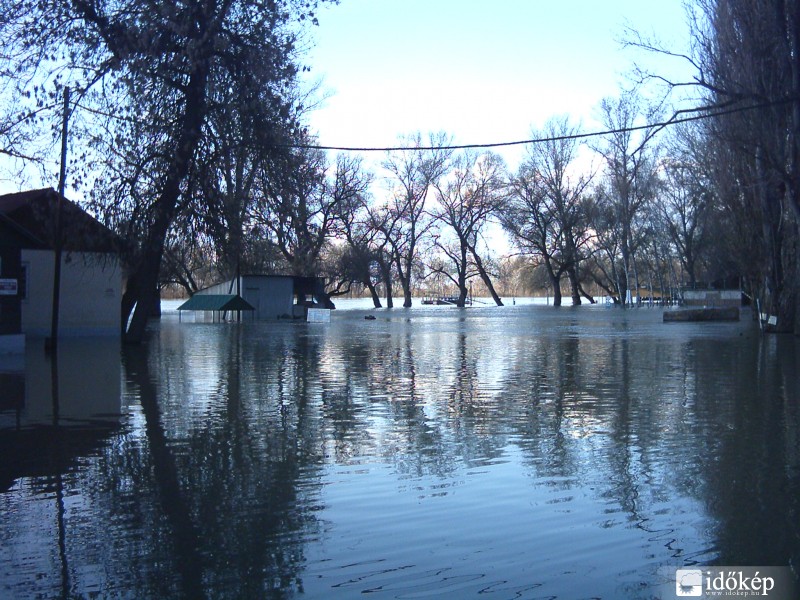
[{"x": 514, "y": 452}]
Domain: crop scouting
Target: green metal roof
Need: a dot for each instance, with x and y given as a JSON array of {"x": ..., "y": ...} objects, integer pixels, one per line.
[{"x": 216, "y": 302}]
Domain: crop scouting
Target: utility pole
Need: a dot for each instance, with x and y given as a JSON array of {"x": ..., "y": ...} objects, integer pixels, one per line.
[{"x": 51, "y": 343}]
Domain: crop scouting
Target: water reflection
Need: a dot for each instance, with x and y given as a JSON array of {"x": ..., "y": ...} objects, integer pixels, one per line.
[
  {"x": 49, "y": 421},
  {"x": 517, "y": 452},
  {"x": 55, "y": 409}
]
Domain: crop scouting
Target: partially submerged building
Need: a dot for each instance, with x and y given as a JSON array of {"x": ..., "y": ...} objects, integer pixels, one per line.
[
  {"x": 712, "y": 298},
  {"x": 91, "y": 273},
  {"x": 219, "y": 306},
  {"x": 274, "y": 296}
]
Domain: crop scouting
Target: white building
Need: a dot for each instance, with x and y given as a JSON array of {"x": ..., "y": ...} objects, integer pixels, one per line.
[{"x": 91, "y": 274}]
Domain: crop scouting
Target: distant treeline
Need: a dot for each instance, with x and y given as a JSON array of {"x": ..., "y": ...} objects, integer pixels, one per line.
[{"x": 188, "y": 134}]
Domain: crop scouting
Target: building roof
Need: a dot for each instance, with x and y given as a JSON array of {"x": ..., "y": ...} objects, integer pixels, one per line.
[
  {"x": 32, "y": 213},
  {"x": 223, "y": 302}
]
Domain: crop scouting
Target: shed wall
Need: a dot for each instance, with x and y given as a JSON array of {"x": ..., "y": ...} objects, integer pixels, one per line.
[
  {"x": 90, "y": 298},
  {"x": 716, "y": 298},
  {"x": 271, "y": 296}
]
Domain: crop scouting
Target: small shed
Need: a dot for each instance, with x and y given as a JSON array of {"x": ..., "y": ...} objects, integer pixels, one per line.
[
  {"x": 91, "y": 272},
  {"x": 216, "y": 304},
  {"x": 275, "y": 296}
]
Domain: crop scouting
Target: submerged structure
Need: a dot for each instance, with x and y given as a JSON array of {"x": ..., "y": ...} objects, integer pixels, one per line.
[
  {"x": 267, "y": 296},
  {"x": 217, "y": 304}
]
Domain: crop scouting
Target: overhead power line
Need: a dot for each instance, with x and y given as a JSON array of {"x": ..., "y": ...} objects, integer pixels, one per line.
[
  {"x": 674, "y": 120},
  {"x": 582, "y": 135}
]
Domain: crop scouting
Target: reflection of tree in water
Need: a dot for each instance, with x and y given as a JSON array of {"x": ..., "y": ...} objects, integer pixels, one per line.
[
  {"x": 247, "y": 469},
  {"x": 184, "y": 538},
  {"x": 663, "y": 419},
  {"x": 619, "y": 414},
  {"x": 438, "y": 411},
  {"x": 414, "y": 394},
  {"x": 212, "y": 488},
  {"x": 236, "y": 518},
  {"x": 471, "y": 414},
  {"x": 375, "y": 404},
  {"x": 754, "y": 483},
  {"x": 541, "y": 383}
]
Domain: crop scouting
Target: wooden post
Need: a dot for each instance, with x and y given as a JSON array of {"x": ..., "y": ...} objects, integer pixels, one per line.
[{"x": 51, "y": 343}]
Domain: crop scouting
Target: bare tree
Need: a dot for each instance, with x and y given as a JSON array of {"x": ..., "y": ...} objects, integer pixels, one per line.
[
  {"x": 749, "y": 57},
  {"x": 466, "y": 200},
  {"x": 565, "y": 191},
  {"x": 382, "y": 222},
  {"x": 304, "y": 211},
  {"x": 413, "y": 172},
  {"x": 355, "y": 225},
  {"x": 547, "y": 210},
  {"x": 532, "y": 227},
  {"x": 746, "y": 56},
  {"x": 686, "y": 203},
  {"x": 631, "y": 180}
]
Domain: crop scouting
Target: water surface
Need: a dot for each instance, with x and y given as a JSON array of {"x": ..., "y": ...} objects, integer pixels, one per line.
[{"x": 515, "y": 452}]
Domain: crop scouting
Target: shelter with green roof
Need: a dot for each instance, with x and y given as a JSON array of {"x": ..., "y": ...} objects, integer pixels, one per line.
[
  {"x": 217, "y": 304},
  {"x": 266, "y": 297}
]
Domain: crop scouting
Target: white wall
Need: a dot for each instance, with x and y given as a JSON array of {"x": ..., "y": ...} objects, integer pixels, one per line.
[
  {"x": 223, "y": 288},
  {"x": 712, "y": 297},
  {"x": 90, "y": 299}
]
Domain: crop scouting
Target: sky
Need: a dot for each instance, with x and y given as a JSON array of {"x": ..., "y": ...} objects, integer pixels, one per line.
[{"x": 484, "y": 71}]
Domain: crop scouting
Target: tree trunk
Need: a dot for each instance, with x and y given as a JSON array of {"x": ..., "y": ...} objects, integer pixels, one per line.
[
  {"x": 574, "y": 286},
  {"x": 376, "y": 301},
  {"x": 146, "y": 289},
  {"x": 555, "y": 282},
  {"x": 405, "y": 283},
  {"x": 386, "y": 273},
  {"x": 164, "y": 209},
  {"x": 463, "y": 292},
  {"x": 793, "y": 167},
  {"x": 462, "y": 297},
  {"x": 636, "y": 283},
  {"x": 586, "y": 294},
  {"x": 485, "y": 277},
  {"x": 622, "y": 290},
  {"x": 780, "y": 251},
  {"x": 128, "y": 302},
  {"x": 623, "y": 282}
]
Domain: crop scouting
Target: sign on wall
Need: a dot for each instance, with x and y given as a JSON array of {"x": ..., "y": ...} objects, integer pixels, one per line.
[{"x": 8, "y": 287}]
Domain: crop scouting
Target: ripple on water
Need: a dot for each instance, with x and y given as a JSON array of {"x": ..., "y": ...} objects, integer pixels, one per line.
[{"x": 520, "y": 452}]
